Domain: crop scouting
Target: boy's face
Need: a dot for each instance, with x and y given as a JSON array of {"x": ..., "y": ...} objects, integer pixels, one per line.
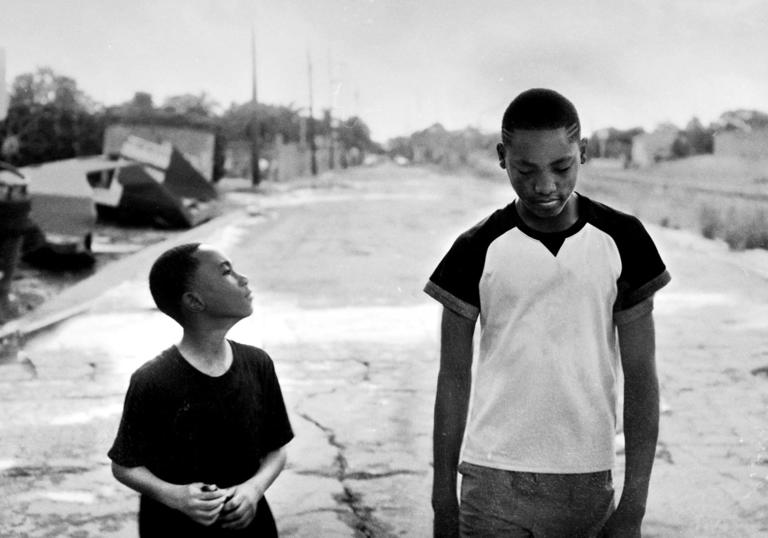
[
  {"x": 543, "y": 166},
  {"x": 221, "y": 292}
]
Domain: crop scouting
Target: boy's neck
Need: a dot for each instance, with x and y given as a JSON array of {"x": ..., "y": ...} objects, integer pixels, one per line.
[
  {"x": 207, "y": 350},
  {"x": 567, "y": 217}
]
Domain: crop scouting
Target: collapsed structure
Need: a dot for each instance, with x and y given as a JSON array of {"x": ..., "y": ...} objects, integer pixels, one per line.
[
  {"x": 148, "y": 183},
  {"x": 158, "y": 187}
]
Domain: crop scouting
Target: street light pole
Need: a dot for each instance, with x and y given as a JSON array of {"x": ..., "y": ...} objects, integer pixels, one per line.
[
  {"x": 311, "y": 122},
  {"x": 253, "y": 125},
  {"x": 331, "y": 149}
]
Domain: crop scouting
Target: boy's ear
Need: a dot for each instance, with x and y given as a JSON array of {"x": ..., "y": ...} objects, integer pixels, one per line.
[
  {"x": 583, "y": 150},
  {"x": 192, "y": 301},
  {"x": 500, "y": 152}
]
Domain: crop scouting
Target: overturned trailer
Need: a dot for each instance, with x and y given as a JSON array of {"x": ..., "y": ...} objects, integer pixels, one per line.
[
  {"x": 63, "y": 212},
  {"x": 155, "y": 185}
]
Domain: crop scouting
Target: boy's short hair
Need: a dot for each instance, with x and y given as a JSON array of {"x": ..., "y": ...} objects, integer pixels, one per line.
[
  {"x": 540, "y": 109},
  {"x": 170, "y": 276}
]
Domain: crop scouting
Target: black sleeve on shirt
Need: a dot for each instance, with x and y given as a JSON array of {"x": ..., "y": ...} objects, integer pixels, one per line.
[
  {"x": 455, "y": 283},
  {"x": 643, "y": 272},
  {"x": 278, "y": 426},
  {"x": 130, "y": 448}
]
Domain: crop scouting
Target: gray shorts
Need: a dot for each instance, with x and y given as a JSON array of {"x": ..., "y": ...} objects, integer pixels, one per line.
[{"x": 511, "y": 504}]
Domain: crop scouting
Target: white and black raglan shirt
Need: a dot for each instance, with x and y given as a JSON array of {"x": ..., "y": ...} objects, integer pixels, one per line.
[{"x": 544, "y": 394}]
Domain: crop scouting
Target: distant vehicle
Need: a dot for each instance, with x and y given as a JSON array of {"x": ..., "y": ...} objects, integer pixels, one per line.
[{"x": 401, "y": 160}]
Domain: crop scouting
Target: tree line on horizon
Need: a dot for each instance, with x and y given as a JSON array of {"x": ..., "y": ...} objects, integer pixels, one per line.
[
  {"x": 437, "y": 145},
  {"x": 50, "y": 118}
]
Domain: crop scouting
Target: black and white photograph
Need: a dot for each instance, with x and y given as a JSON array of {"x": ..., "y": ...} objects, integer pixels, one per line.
[{"x": 383, "y": 268}]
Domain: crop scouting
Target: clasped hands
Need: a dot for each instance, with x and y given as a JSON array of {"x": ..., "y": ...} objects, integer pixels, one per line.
[{"x": 232, "y": 508}]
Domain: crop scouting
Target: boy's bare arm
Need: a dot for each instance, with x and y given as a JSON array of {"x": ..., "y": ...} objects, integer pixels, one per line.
[
  {"x": 194, "y": 500},
  {"x": 271, "y": 467},
  {"x": 451, "y": 404},
  {"x": 243, "y": 499},
  {"x": 641, "y": 422}
]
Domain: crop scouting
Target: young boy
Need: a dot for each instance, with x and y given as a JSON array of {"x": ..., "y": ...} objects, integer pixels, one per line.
[
  {"x": 563, "y": 287},
  {"x": 204, "y": 425}
]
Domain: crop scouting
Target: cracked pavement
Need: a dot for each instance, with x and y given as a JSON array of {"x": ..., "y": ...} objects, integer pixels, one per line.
[{"x": 338, "y": 269}]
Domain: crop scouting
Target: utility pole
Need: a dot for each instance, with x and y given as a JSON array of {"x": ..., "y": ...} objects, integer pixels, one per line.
[
  {"x": 331, "y": 132},
  {"x": 3, "y": 92},
  {"x": 311, "y": 122},
  {"x": 253, "y": 124}
]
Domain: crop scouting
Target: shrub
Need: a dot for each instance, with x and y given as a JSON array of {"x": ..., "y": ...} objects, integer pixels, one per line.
[
  {"x": 747, "y": 229},
  {"x": 711, "y": 222}
]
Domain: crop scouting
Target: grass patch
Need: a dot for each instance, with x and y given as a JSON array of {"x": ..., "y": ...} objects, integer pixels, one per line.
[
  {"x": 741, "y": 228},
  {"x": 711, "y": 222},
  {"x": 748, "y": 230}
]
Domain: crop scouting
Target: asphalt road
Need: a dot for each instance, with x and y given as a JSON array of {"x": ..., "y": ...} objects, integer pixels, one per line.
[{"x": 338, "y": 269}]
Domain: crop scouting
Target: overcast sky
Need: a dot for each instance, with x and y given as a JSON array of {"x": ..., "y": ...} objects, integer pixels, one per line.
[{"x": 404, "y": 64}]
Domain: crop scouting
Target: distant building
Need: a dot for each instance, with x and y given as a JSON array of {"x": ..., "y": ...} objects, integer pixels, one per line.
[
  {"x": 649, "y": 148},
  {"x": 283, "y": 161},
  {"x": 436, "y": 145},
  {"x": 751, "y": 143}
]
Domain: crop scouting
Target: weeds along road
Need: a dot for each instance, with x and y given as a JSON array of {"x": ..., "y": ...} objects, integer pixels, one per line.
[{"x": 338, "y": 269}]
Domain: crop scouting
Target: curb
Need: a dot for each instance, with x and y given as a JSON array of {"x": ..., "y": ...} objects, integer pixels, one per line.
[{"x": 79, "y": 297}]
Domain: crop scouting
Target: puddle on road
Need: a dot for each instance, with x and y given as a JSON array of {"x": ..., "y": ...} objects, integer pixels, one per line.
[
  {"x": 117, "y": 342},
  {"x": 82, "y": 417},
  {"x": 673, "y": 302},
  {"x": 310, "y": 196},
  {"x": 394, "y": 324},
  {"x": 300, "y": 197},
  {"x": 73, "y": 497},
  {"x": 737, "y": 315}
]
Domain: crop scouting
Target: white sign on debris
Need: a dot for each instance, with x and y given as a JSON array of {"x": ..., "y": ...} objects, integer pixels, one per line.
[
  {"x": 109, "y": 195},
  {"x": 144, "y": 151},
  {"x": 3, "y": 89},
  {"x": 157, "y": 175}
]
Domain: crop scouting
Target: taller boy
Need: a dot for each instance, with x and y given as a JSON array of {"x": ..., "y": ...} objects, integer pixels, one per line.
[{"x": 563, "y": 287}]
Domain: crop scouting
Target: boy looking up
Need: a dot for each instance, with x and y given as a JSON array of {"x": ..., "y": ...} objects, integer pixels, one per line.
[
  {"x": 563, "y": 287},
  {"x": 204, "y": 424}
]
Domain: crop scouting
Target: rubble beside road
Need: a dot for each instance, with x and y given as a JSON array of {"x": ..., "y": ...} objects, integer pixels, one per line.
[{"x": 33, "y": 287}]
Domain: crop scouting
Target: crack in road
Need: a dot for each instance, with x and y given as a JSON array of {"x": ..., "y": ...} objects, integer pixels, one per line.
[
  {"x": 340, "y": 460},
  {"x": 367, "y": 366},
  {"x": 362, "y": 519},
  {"x": 360, "y": 475},
  {"x": 42, "y": 470},
  {"x": 663, "y": 453}
]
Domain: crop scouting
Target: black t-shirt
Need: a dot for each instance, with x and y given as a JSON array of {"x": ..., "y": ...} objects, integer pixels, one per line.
[{"x": 186, "y": 426}]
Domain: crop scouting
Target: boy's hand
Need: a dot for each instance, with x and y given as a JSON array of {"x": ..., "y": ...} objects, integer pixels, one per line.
[
  {"x": 240, "y": 508},
  {"x": 621, "y": 526},
  {"x": 446, "y": 518},
  {"x": 200, "y": 502}
]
